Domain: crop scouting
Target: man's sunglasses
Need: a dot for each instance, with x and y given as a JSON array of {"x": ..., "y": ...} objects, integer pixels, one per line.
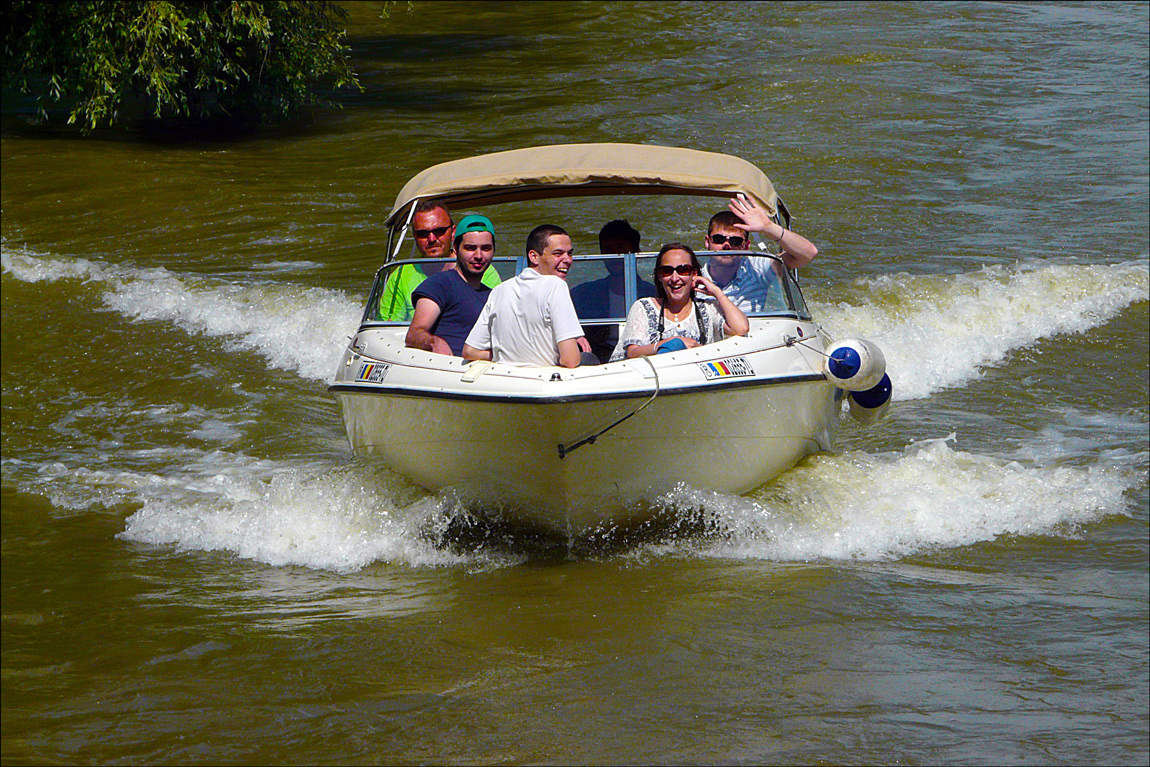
[
  {"x": 438, "y": 231},
  {"x": 684, "y": 269},
  {"x": 735, "y": 240}
]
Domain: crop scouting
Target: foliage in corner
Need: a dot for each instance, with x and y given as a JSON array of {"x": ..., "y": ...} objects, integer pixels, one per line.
[{"x": 189, "y": 59}]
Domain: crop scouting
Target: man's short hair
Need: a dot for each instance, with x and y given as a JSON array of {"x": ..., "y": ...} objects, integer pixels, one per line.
[
  {"x": 724, "y": 218},
  {"x": 426, "y": 206},
  {"x": 620, "y": 229},
  {"x": 537, "y": 240}
]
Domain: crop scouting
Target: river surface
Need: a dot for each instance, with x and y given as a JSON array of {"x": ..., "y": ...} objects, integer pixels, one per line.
[{"x": 196, "y": 569}]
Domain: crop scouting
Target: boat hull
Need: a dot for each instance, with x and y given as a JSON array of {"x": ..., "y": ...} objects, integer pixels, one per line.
[{"x": 500, "y": 443}]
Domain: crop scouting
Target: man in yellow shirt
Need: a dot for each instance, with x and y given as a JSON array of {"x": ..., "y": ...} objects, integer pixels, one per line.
[{"x": 433, "y": 229}]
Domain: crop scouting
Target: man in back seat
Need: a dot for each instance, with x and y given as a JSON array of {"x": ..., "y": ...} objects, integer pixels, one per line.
[
  {"x": 433, "y": 231},
  {"x": 605, "y": 297}
]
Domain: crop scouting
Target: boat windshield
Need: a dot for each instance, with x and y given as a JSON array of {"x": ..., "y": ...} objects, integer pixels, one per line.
[{"x": 603, "y": 287}]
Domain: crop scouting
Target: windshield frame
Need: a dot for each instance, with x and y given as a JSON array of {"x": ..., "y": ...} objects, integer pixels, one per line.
[{"x": 796, "y": 307}]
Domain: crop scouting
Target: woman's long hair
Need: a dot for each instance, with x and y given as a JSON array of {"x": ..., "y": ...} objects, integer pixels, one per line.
[{"x": 662, "y": 294}]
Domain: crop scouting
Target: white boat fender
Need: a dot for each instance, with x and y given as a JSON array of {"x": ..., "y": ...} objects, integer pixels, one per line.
[
  {"x": 871, "y": 405},
  {"x": 854, "y": 364}
]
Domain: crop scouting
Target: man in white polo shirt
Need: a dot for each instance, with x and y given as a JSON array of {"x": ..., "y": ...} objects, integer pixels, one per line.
[{"x": 530, "y": 320}]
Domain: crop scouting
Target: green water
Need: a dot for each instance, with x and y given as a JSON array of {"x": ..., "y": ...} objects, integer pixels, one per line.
[{"x": 196, "y": 570}]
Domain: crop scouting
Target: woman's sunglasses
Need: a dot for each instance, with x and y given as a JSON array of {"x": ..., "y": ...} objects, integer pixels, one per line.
[
  {"x": 735, "y": 240},
  {"x": 684, "y": 269}
]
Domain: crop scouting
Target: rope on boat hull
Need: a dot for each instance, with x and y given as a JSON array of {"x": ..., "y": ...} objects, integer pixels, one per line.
[{"x": 590, "y": 440}]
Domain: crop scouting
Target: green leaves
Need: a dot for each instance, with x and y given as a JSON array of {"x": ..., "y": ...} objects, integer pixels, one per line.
[{"x": 189, "y": 59}]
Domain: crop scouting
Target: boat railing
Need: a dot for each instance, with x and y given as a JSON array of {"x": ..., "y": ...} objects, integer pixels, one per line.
[{"x": 603, "y": 286}]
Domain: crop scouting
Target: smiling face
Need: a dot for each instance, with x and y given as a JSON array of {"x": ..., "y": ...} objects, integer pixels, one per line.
[
  {"x": 555, "y": 258},
  {"x": 676, "y": 273},
  {"x": 433, "y": 232},
  {"x": 474, "y": 254}
]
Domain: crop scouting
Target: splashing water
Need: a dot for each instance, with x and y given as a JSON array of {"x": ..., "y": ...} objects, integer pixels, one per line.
[
  {"x": 853, "y": 506},
  {"x": 937, "y": 332},
  {"x": 298, "y": 329}
]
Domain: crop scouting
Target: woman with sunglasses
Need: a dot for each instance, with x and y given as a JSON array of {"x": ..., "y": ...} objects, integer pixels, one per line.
[{"x": 675, "y": 319}]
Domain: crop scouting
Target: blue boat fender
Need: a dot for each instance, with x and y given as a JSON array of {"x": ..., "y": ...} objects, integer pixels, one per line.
[
  {"x": 854, "y": 364},
  {"x": 871, "y": 405}
]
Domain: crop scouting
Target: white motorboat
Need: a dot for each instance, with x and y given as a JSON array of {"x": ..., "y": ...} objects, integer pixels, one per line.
[{"x": 573, "y": 449}]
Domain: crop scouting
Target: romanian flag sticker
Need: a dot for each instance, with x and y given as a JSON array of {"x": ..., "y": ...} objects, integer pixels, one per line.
[
  {"x": 373, "y": 372},
  {"x": 727, "y": 368}
]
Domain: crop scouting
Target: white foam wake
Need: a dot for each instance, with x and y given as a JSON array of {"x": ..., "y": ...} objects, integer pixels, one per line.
[
  {"x": 332, "y": 518},
  {"x": 938, "y": 332},
  {"x": 857, "y": 506},
  {"x": 308, "y": 513},
  {"x": 854, "y": 506},
  {"x": 299, "y": 329}
]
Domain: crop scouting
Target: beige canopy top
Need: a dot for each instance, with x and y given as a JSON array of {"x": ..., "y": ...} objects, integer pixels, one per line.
[{"x": 568, "y": 170}]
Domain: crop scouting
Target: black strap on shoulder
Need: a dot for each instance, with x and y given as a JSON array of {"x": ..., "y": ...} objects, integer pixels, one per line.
[{"x": 699, "y": 318}]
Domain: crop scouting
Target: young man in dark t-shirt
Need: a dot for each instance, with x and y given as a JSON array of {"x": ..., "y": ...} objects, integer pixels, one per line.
[{"x": 447, "y": 303}]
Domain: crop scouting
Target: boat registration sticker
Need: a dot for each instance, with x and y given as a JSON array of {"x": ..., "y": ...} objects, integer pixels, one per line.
[
  {"x": 727, "y": 368},
  {"x": 373, "y": 372}
]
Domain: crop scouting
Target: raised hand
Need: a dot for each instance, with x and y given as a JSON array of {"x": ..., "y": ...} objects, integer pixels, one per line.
[
  {"x": 704, "y": 285},
  {"x": 754, "y": 218}
]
